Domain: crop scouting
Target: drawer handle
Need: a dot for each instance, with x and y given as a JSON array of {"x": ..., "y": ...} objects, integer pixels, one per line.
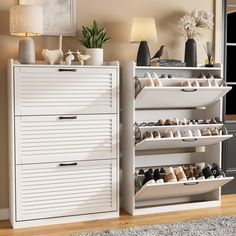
[
  {"x": 189, "y": 140},
  {"x": 67, "y": 70},
  {"x": 191, "y": 183},
  {"x": 68, "y": 164},
  {"x": 188, "y": 90},
  {"x": 67, "y": 117}
]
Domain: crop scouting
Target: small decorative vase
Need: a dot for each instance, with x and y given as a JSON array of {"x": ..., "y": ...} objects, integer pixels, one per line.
[
  {"x": 190, "y": 53},
  {"x": 96, "y": 56}
]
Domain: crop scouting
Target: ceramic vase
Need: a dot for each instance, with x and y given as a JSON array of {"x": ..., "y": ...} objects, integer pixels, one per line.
[
  {"x": 96, "y": 56},
  {"x": 190, "y": 53}
]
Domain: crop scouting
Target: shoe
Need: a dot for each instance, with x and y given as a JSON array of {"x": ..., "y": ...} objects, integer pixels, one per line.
[
  {"x": 170, "y": 175},
  {"x": 217, "y": 76},
  {"x": 214, "y": 83},
  {"x": 138, "y": 183},
  {"x": 185, "y": 84},
  {"x": 202, "y": 165},
  {"x": 218, "y": 120},
  {"x": 196, "y": 133},
  {"x": 195, "y": 84},
  {"x": 147, "y": 134},
  {"x": 168, "y": 134},
  {"x": 198, "y": 173},
  {"x": 186, "y": 133},
  {"x": 137, "y": 133},
  {"x": 138, "y": 86},
  {"x": 183, "y": 121},
  {"x": 157, "y": 82},
  {"x": 216, "y": 171},
  {"x": 175, "y": 121},
  {"x": 147, "y": 75},
  {"x": 180, "y": 174},
  {"x": 160, "y": 122},
  {"x": 154, "y": 75},
  {"x": 207, "y": 172},
  {"x": 141, "y": 172},
  {"x": 204, "y": 122},
  {"x": 188, "y": 171},
  {"x": 209, "y": 76},
  {"x": 168, "y": 122},
  {"x": 212, "y": 121},
  {"x": 163, "y": 76},
  {"x": 156, "y": 134},
  {"x": 148, "y": 179},
  {"x": 206, "y": 132},
  {"x": 206, "y": 83},
  {"x": 150, "y": 170},
  {"x": 177, "y": 134},
  {"x": 149, "y": 83},
  {"x": 170, "y": 76},
  {"x": 202, "y": 76},
  {"x": 214, "y": 131},
  {"x": 157, "y": 176},
  {"x": 194, "y": 122}
]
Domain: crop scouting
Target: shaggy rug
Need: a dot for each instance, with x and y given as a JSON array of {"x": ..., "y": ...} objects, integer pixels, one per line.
[{"x": 218, "y": 226}]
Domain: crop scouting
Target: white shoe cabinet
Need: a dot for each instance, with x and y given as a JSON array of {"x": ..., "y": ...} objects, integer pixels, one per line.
[
  {"x": 168, "y": 102},
  {"x": 63, "y": 143}
]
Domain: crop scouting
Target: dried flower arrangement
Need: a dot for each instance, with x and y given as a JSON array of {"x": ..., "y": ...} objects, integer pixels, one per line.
[{"x": 197, "y": 19}]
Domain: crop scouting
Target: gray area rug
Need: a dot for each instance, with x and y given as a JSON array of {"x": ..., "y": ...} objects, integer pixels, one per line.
[{"x": 220, "y": 226}]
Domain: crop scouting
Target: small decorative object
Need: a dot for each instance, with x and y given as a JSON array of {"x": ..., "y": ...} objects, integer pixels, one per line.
[
  {"x": 26, "y": 20},
  {"x": 54, "y": 56},
  {"x": 159, "y": 53},
  {"x": 209, "y": 51},
  {"x": 70, "y": 57},
  {"x": 189, "y": 24},
  {"x": 81, "y": 58},
  {"x": 143, "y": 31},
  {"x": 94, "y": 39}
]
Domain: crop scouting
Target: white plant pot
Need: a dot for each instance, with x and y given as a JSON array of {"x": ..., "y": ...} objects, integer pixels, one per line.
[{"x": 96, "y": 56}]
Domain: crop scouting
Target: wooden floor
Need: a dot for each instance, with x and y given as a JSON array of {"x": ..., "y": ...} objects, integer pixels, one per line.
[{"x": 228, "y": 208}]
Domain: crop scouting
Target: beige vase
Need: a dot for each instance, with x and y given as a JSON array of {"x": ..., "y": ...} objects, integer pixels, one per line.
[{"x": 96, "y": 56}]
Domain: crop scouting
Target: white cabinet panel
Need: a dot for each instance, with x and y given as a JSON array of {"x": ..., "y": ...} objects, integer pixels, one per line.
[
  {"x": 65, "y": 189},
  {"x": 65, "y": 138},
  {"x": 50, "y": 91}
]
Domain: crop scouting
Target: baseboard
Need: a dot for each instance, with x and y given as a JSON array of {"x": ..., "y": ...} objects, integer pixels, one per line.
[{"x": 4, "y": 214}]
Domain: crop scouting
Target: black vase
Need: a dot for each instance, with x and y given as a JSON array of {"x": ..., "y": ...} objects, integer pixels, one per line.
[{"x": 190, "y": 57}]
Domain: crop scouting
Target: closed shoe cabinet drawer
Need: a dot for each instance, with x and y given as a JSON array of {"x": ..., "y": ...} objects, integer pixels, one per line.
[
  {"x": 65, "y": 189},
  {"x": 57, "y": 90},
  {"x": 42, "y": 139}
]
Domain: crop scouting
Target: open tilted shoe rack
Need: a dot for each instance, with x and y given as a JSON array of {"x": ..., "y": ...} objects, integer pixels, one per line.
[{"x": 167, "y": 102}]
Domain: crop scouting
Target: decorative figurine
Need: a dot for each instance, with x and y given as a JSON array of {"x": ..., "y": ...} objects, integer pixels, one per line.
[
  {"x": 81, "y": 58},
  {"x": 54, "y": 56},
  {"x": 159, "y": 53},
  {"x": 69, "y": 58}
]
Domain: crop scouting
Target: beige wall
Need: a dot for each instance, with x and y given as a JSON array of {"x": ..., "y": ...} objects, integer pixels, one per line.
[{"x": 117, "y": 17}]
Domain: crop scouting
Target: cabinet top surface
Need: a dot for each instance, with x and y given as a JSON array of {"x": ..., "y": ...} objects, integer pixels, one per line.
[{"x": 112, "y": 64}]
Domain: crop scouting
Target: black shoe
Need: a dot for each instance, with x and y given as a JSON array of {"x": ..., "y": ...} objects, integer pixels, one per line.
[
  {"x": 208, "y": 173},
  {"x": 141, "y": 172},
  {"x": 148, "y": 179},
  {"x": 216, "y": 171},
  {"x": 157, "y": 176}
]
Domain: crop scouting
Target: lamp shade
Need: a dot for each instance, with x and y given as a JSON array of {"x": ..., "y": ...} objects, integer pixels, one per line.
[
  {"x": 26, "y": 20},
  {"x": 143, "y": 29}
]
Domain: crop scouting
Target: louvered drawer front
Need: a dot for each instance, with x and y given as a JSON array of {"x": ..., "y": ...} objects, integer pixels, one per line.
[
  {"x": 49, "y": 91},
  {"x": 51, "y": 190},
  {"x": 65, "y": 138}
]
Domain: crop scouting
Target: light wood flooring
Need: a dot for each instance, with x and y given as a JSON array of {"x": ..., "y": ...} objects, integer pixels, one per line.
[{"x": 228, "y": 208}]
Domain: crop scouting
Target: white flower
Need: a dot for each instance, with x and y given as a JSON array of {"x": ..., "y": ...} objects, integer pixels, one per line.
[{"x": 197, "y": 19}]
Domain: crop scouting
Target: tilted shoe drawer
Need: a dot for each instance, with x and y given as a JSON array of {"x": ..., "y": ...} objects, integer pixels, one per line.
[
  {"x": 65, "y": 189},
  {"x": 42, "y": 139},
  {"x": 57, "y": 90}
]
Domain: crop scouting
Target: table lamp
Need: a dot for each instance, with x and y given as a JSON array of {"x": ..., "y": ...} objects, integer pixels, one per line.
[
  {"x": 26, "y": 21},
  {"x": 143, "y": 31}
]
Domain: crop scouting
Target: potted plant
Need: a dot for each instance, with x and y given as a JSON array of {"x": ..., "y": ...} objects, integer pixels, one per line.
[{"x": 94, "y": 39}]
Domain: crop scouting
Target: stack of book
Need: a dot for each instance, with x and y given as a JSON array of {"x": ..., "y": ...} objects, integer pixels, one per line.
[{"x": 171, "y": 63}]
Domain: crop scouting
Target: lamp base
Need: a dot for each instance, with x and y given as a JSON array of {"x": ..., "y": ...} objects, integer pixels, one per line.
[
  {"x": 26, "y": 52},
  {"x": 143, "y": 57}
]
